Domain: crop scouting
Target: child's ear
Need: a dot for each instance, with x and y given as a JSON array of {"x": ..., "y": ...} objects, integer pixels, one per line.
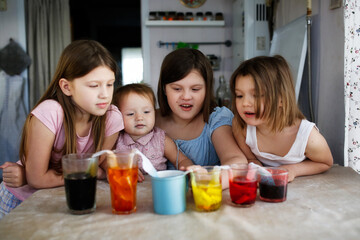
[{"x": 65, "y": 86}]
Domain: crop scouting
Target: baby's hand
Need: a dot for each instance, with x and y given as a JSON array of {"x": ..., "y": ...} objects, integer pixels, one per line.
[
  {"x": 13, "y": 174},
  {"x": 140, "y": 176}
]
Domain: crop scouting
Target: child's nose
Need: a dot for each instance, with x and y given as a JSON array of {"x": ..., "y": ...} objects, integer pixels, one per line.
[
  {"x": 104, "y": 92},
  {"x": 186, "y": 94},
  {"x": 247, "y": 101},
  {"x": 139, "y": 116}
]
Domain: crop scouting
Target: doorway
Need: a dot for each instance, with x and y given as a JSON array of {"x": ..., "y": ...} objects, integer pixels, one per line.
[{"x": 115, "y": 24}]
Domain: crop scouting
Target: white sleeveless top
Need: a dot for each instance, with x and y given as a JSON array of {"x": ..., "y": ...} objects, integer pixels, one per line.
[{"x": 296, "y": 153}]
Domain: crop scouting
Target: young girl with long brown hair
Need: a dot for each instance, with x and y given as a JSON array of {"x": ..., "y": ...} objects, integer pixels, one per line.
[{"x": 74, "y": 115}]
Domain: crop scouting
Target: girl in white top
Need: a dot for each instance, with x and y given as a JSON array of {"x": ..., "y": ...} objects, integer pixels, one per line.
[{"x": 268, "y": 125}]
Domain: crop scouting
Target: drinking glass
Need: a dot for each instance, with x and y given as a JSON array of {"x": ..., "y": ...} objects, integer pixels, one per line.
[
  {"x": 79, "y": 171},
  {"x": 242, "y": 184},
  {"x": 206, "y": 188},
  {"x": 122, "y": 177}
]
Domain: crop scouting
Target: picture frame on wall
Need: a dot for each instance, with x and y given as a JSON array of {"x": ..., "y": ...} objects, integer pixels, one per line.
[{"x": 335, "y": 4}]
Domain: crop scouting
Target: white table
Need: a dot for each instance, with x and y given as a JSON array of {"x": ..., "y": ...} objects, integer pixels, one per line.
[{"x": 324, "y": 206}]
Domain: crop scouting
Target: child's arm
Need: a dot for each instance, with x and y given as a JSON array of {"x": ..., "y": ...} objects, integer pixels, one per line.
[
  {"x": 170, "y": 153},
  {"x": 109, "y": 143},
  {"x": 319, "y": 157},
  {"x": 240, "y": 138},
  {"x": 39, "y": 143},
  {"x": 226, "y": 146},
  {"x": 228, "y": 150}
]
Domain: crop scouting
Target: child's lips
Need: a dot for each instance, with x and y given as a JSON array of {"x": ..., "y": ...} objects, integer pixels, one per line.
[
  {"x": 186, "y": 107},
  {"x": 102, "y": 105},
  {"x": 140, "y": 126},
  {"x": 249, "y": 114}
]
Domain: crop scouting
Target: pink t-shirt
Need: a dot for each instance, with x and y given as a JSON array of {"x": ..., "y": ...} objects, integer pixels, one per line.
[
  {"x": 152, "y": 145},
  {"x": 51, "y": 114}
]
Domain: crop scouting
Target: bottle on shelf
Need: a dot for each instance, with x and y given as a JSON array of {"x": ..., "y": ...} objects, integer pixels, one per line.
[
  {"x": 223, "y": 93},
  {"x": 227, "y": 97},
  {"x": 220, "y": 91}
]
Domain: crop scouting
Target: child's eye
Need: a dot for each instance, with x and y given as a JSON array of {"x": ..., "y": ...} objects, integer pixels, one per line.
[
  {"x": 147, "y": 112},
  {"x": 93, "y": 85},
  {"x": 130, "y": 114},
  {"x": 110, "y": 84},
  {"x": 196, "y": 89},
  {"x": 239, "y": 96}
]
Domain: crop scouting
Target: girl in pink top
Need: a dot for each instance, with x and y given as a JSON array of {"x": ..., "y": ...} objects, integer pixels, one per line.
[
  {"x": 268, "y": 125},
  {"x": 74, "y": 115},
  {"x": 137, "y": 104}
]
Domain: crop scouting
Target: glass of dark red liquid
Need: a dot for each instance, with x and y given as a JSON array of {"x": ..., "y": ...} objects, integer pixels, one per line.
[
  {"x": 273, "y": 188},
  {"x": 79, "y": 171},
  {"x": 242, "y": 184}
]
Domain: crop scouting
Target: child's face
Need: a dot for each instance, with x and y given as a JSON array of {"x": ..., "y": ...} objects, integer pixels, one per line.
[
  {"x": 245, "y": 100},
  {"x": 139, "y": 115},
  {"x": 186, "y": 96},
  {"x": 93, "y": 92}
]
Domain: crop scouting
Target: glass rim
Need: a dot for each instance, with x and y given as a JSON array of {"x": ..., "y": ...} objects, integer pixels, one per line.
[
  {"x": 279, "y": 170},
  {"x": 78, "y": 156},
  {"x": 208, "y": 170},
  {"x": 242, "y": 166}
]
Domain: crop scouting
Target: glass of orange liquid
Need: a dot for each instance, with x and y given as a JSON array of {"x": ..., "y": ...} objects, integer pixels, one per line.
[{"x": 122, "y": 177}]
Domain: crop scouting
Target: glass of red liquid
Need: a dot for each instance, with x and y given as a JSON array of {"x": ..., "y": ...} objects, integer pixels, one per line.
[
  {"x": 242, "y": 184},
  {"x": 275, "y": 189}
]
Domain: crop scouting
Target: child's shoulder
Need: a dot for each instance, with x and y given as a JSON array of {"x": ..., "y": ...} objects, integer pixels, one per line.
[
  {"x": 221, "y": 116},
  {"x": 48, "y": 105}
]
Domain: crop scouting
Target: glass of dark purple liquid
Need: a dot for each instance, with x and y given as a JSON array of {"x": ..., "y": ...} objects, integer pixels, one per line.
[
  {"x": 273, "y": 188},
  {"x": 79, "y": 171}
]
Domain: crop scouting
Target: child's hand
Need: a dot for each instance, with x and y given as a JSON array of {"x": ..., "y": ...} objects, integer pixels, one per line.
[
  {"x": 291, "y": 175},
  {"x": 141, "y": 177},
  {"x": 13, "y": 174},
  {"x": 190, "y": 168},
  {"x": 101, "y": 173}
]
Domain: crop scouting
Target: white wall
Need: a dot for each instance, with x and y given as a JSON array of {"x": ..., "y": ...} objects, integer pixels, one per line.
[{"x": 153, "y": 55}]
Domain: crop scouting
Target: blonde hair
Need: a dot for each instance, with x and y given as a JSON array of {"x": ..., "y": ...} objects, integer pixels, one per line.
[
  {"x": 273, "y": 80},
  {"x": 78, "y": 59},
  {"x": 137, "y": 88}
]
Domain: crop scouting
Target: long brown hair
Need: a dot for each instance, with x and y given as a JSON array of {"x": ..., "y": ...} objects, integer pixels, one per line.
[
  {"x": 273, "y": 80},
  {"x": 78, "y": 59},
  {"x": 177, "y": 65}
]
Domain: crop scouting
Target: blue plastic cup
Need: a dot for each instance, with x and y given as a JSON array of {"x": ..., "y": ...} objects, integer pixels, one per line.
[{"x": 169, "y": 192}]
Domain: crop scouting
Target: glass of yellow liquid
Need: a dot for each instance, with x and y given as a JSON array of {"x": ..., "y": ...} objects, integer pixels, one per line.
[{"x": 206, "y": 188}]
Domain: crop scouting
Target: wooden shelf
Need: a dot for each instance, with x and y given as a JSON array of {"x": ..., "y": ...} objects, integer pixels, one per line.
[{"x": 159, "y": 23}]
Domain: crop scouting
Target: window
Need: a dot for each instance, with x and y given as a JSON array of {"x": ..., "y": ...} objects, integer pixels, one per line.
[{"x": 131, "y": 65}]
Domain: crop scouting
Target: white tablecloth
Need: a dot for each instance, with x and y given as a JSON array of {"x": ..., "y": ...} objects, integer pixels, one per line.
[{"x": 324, "y": 206}]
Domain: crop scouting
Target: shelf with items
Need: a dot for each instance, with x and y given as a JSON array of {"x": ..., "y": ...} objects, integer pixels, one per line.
[{"x": 178, "y": 23}]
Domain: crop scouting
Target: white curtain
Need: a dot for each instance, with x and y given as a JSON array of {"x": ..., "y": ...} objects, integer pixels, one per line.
[
  {"x": 48, "y": 33},
  {"x": 352, "y": 83}
]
